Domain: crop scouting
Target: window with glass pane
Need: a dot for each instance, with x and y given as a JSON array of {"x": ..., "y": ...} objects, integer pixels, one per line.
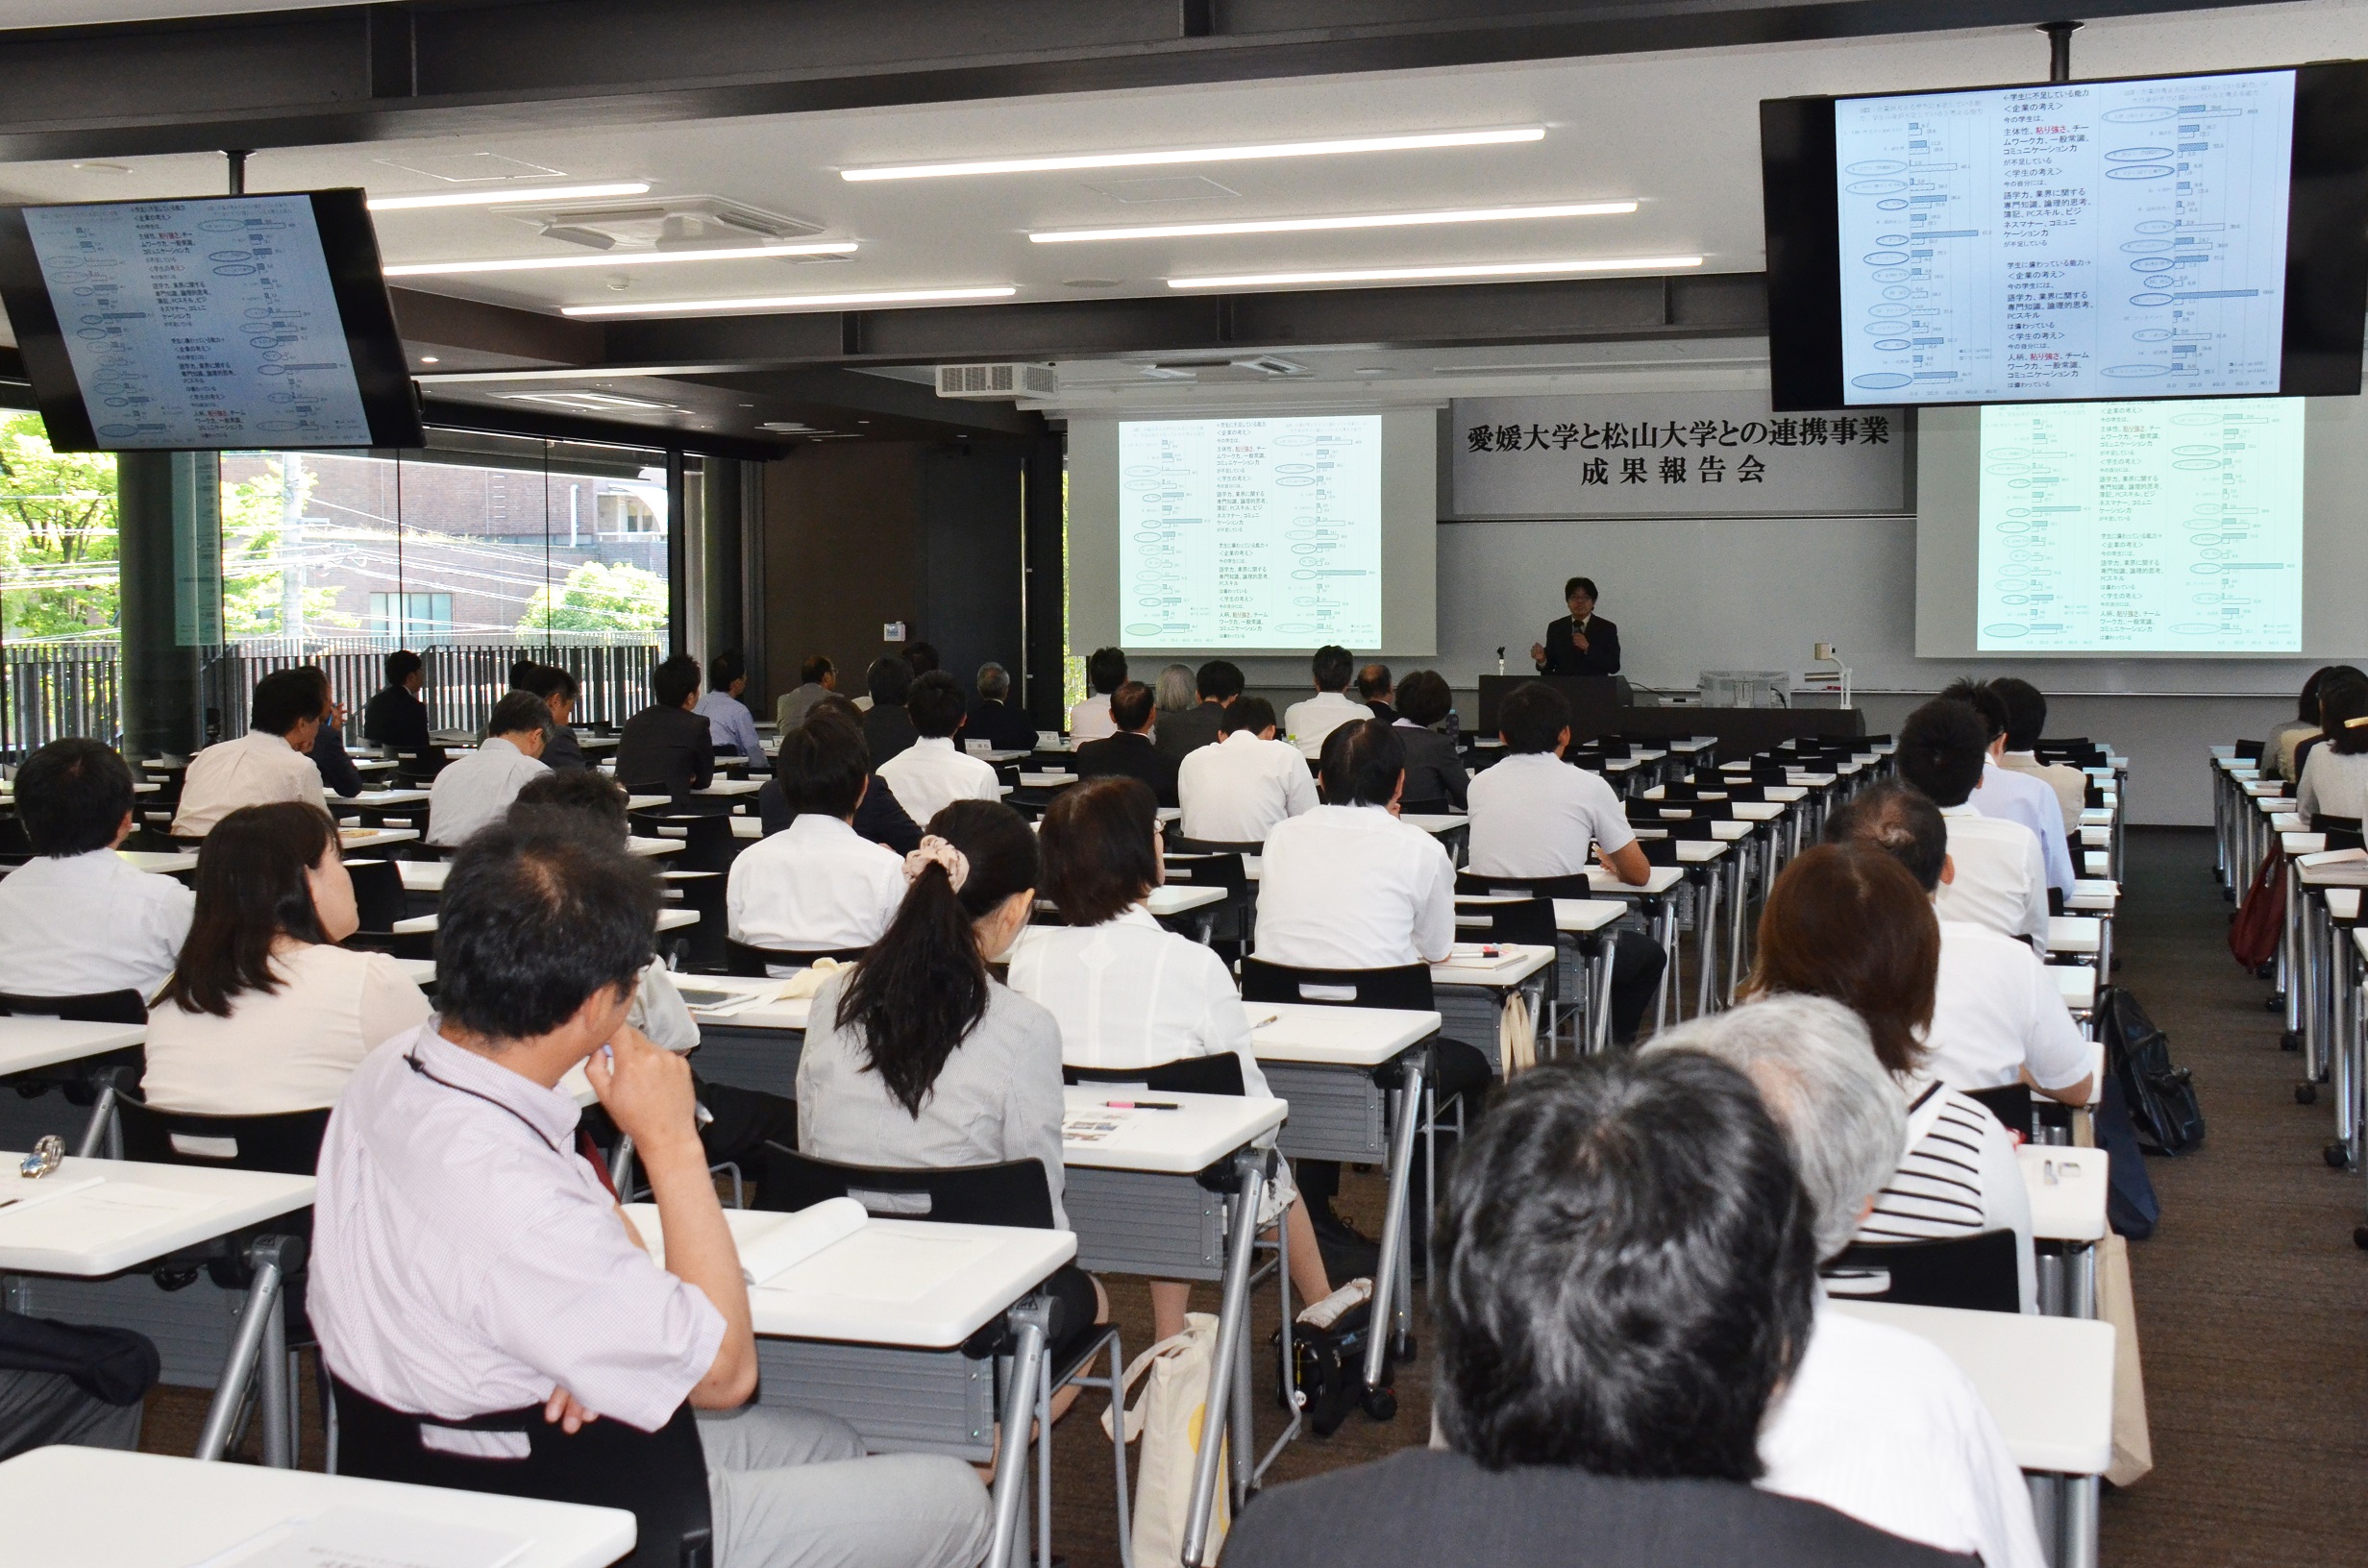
[{"x": 58, "y": 590}]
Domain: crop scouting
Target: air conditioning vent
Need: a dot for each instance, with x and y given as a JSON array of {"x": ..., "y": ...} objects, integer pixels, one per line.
[
  {"x": 1010, "y": 381},
  {"x": 656, "y": 223}
]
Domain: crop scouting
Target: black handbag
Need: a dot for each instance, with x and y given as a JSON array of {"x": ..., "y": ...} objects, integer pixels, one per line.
[
  {"x": 112, "y": 1365},
  {"x": 2160, "y": 1095}
]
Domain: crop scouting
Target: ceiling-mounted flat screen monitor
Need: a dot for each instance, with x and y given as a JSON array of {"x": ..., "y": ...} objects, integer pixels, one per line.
[
  {"x": 2182, "y": 236},
  {"x": 207, "y": 323}
]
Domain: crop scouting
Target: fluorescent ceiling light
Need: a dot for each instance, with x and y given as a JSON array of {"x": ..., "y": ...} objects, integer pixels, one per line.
[
  {"x": 1202, "y": 155},
  {"x": 616, "y": 258},
  {"x": 1408, "y": 275},
  {"x": 596, "y": 401},
  {"x": 791, "y": 302},
  {"x": 1375, "y": 220},
  {"x": 513, "y": 196}
]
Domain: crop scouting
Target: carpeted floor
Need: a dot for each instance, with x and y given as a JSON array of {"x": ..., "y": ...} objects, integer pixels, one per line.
[{"x": 2253, "y": 1302}]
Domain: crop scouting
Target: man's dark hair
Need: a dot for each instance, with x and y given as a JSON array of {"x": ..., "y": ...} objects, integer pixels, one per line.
[
  {"x": 1580, "y": 585},
  {"x": 1900, "y": 822},
  {"x": 1373, "y": 681},
  {"x": 516, "y": 713},
  {"x": 520, "y": 672},
  {"x": 921, "y": 658},
  {"x": 576, "y": 799},
  {"x": 537, "y": 921},
  {"x": 551, "y": 682},
  {"x": 402, "y": 665},
  {"x": 937, "y": 705},
  {"x": 71, "y": 796},
  {"x": 1423, "y": 697},
  {"x": 1941, "y": 750},
  {"x": 994, "y": 682},
  {"x": 2026, "y": 711},
  {"x": 822, "y": 767},
  {"x": 1332, "y": 665},
  {"x": 1099, "y": 843},
  {"x": 1981, "y": 698},
  {"x": 813, "y": 667},
  {"x": 1105, "y": 669},
  {"x": 1363, "y": 762},
  {"x": 889, "y": 681},
  {"x": 1219, "y": 680},
  {"x": 726, "y": 668},
  {"x": 1625, "y": 1270},
  {"x": 1532, "y": 718},
  {"x": 285, "y": 698},
  {"x": 1130, "y": 705},
  {"x": 1250, "y": 713},
  {"x": 673, "y": 681}
]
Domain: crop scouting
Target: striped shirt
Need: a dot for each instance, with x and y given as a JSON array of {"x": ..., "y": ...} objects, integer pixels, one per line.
[{"x": 1960, "y": 1176}]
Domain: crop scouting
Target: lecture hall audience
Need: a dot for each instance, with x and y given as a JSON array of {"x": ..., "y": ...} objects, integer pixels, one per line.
[
  {"x": 2001, "y": 878},
  {"x": 1306, "y": 723},
  {"x": 267, "y": 764},
  {"x": 82, "y": 921},
  {"x": 477, "y": 788},
  {"x": 666, "y": 749},
  {"x": 1105, "y": 671},
  {"x": 1129, "y": 751},
  {"x": 818, "y": 885},
  {"x": 394, "y": 716},
  {"x": 2013, "y": 796},
  {"x": 933, "y": 773},
  {"x": 1236, "y": 791},
  {"x": 1185, "y": 729}
]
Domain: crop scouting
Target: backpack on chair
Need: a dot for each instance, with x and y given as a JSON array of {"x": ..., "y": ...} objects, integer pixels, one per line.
[{"x": 2164, "y": 1107}]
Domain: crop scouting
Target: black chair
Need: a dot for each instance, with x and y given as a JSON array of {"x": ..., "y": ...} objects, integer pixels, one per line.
[
  {"x": 288, "y": 1143},
  {"x": 1441, "y": 806},
  {"x": 1179, "y": 845},
  {"x": 1528, "y": 922},
  {"x": 2342, "y": 832},
  {"x": 661, "y": 1476},
  {"x": 1978, "y": 1272},
  {"x": 380, "y": 901},
  {"x": 2010, "y": 1103},
  {"x": 708, "y": 844},
  {"x": 1217, "y": 1074},
  {"x": 15, "y": 848},
  {"x": 1405, "y": 986},
  {"x": 742, "y": 959},
  {"x": 2250, "y": 750},
  {"x": 1535, "y": 887},
  {"x": 89, "y": 1081}
]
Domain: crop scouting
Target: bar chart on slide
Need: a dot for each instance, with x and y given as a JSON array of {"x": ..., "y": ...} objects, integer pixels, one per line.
[
  {"x": 1251, "y": 533},
  {"x": 2142, "y": 528},
  {"x": 2094, "y": 240}
]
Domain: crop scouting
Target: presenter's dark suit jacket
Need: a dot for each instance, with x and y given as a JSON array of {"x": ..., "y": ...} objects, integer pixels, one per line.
[
  {"x": 1133, "y": 756},
  {"x": 1183, "y": 733},
  {"x": 1602, "y": 655}
]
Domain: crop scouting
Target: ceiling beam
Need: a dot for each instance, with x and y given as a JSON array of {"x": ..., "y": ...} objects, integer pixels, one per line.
[
  {"x": 355, "y": 73},
  {"x": 524, "y": 337}
]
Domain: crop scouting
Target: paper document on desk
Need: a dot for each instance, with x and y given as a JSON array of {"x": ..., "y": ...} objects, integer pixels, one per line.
[
  {"x": 890, "y": 1264},
  {"x": 1470, "y": 956},
  {"x": 18, "y": 1193},
  {"x": 2340, "y": 868},
  {"x": 96, "y": 1217},
  {"x": 359, "y": 1538},
  {"x": 715, "y": 1002},
  {"x": 777, "y": 1247},
  {"x": 1094, "y": 1126}
]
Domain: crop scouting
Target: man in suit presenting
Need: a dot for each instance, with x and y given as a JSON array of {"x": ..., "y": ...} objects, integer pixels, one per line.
[{"x": 1581, "y": 643}]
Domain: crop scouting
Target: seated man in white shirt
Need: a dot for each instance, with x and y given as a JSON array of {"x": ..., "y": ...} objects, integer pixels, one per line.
[
  {"x": 1876, "y": 1422},
  {"x": 270, "y": 762},
  {"x": 816, "y": 886},
  {"x": 1306, "y": 723},
  {"x": 2001, "y": 880},
  {"x": 933, "y": 773},
  {"x": 1236, "y": 791},
  {"x": 1997, "y": 1015},
  {"x": 477, "y": 788},
  {"x": 2012, "y": 797},
  {"x": 1105, "y": 671},
  {"x": 79, "y": 919},
  {"x": 469, "y": 1264},
  {"x": 1535, "y": 816},
  {"x": 2026, "y": 722}
]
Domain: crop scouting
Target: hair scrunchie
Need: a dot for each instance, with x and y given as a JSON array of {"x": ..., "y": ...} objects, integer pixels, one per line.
[{"x": 936, "y": 851}]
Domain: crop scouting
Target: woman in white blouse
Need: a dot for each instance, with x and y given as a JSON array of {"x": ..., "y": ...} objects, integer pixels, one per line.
[
  {"x": 1128, "y": 992},
  {"x": 2334, "y": 779},
  {"x": 264, "y": 1013}
]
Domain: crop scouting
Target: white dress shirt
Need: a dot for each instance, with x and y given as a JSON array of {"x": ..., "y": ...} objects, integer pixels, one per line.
[
  {"x": 1307, "y": 723},
  {"x": 1535, "y": 815},
  {"x": 1131, "y": 993},
  {"x": 929, "y": 775},
  {"x": 475, "y": 791},
  {"x": 815, "y": 886},
  {"x": 467, "y": 1260},
  {"x": 1353, "y": 888},
  {"x": 2018, "y": 798},
  {"x": 1996, "y": 1012},
  {"x": 289, "y": 1049},
  {"x": 1236, "y": 791},
  {"x": 2332, "y": 784},
  {"x": 2001, "y": 880},
  {"x": 2070, "y": 784},
  {"x": 1879, "y": 1424},
  {"x": 1090, "y": 721},
  {"x": 81, "y": 925},
  {"x": 254, "y": 770}
]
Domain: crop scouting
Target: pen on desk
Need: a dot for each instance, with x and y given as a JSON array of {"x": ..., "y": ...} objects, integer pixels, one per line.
[
  {"x": 1271, "y": 1018},
  {"x": 1143, "y": 1105}
]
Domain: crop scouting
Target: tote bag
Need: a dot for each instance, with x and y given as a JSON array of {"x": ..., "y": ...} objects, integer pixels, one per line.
[{"x": 1170, "y": 1416}]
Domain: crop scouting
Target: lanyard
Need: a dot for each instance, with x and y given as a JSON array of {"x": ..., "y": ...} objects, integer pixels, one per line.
[{"x": 420, "y": 1067}]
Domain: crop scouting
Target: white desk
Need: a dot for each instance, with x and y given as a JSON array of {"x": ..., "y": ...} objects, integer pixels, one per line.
[
  {"x": 2076, "y": 935},
  {"x": 163, "y": 862},
  {"x": 1199, "y": 1131},
  {"x": 747, "y": 827},
  {"x": 667, "y": 919},
  {"x": 2068, "y": 1190},
  {"x": 1046, "y": 780},
  {"x": 1435, "y": 822},
  {"x": 1311, "y": 1035},
  {"x": 374, "y": 838},
  {"x": 639, "y": 845},
  {"x": 383, "y": 799},
  {"x": 27, "y": 1045},
  {"x": 95, "y": 1508},
  {"x": 1519, "y": 963},
  {"x": 646, "y": 802},
  {"x": 2094, "y": 896},
  {"x": 2077, "y": 985},
  {"x": 724, "y": 787}
]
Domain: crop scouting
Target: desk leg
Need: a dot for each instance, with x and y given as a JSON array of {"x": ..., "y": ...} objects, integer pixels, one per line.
[
  {"x": 1018, "y": 1411},
  {"x": 1232, "y": 1323},
  {"x": 1735, "y": 923},
  {"x": 1395, "y": 1224},
  {"x": 1668, "y": 971},
  {"x": 1599, "y": 1012},
  {"x": 100, "y": 1134},
  {"x": 261, "y": 1326},
  {"x": 2080, "y": 1523},
  {"x": 1705, "y": 944},
  {"x": 2080, "y": 1268}
]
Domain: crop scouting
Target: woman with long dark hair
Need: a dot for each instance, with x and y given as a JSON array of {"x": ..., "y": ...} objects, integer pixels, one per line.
[{"x": 265, "y": 1013}]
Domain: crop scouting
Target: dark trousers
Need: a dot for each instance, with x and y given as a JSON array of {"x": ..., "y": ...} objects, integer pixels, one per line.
[
  {"x": 1636, "y": 962},
  {"x": 1462, "y": 1077}
]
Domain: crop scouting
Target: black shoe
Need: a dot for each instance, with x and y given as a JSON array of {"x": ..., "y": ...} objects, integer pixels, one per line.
[{"x": 1349, "y": 1254}]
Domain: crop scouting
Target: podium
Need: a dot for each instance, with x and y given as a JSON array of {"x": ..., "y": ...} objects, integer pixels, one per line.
[
  {"x": 1595, "y": 710},
  {"x": 1594, "y": 701}
]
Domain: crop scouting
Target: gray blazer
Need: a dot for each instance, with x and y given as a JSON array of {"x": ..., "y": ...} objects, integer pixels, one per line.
[
  {"x": 1433, "y": 770},
  {"x": 1179, "y": 734},
  {"x": 997, "y": 1098}
]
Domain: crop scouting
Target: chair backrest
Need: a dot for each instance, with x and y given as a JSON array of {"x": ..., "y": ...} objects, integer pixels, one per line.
[
  {"x": 15, "y": 848},
  {"x": 1441, "y": 806},
  {"x": 1662, "y": 851},
  {"x": 1016, "y": 1192},
  {"x": 1179, "y": 845},
  {"x": 661, "y": 1476},
  {"x": 707, "y": 842},
  {"x": 95, "y": 1007},
  {"x": 288, "y": 1143},
  {"x": 740, "y": 958},
  {"x": 1529, "y": 921},
  {"x": 1208, "y": 871},
  {"x": 378, "y": 894},
  {"x": 1217, "y": 1074},
  {"x": 1536, "y": 887},
  {"x": 2250, "y": 750},
  {"x": 1406, "y": 986},
  {"x": 2009, "y": 1103},
  {"x": 1978, "y": 1272}
]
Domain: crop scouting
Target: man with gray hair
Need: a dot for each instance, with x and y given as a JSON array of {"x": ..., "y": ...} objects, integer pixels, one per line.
[
  {"x": 1877, "y": 1422},
  {"x": 994, "y": 719}
]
